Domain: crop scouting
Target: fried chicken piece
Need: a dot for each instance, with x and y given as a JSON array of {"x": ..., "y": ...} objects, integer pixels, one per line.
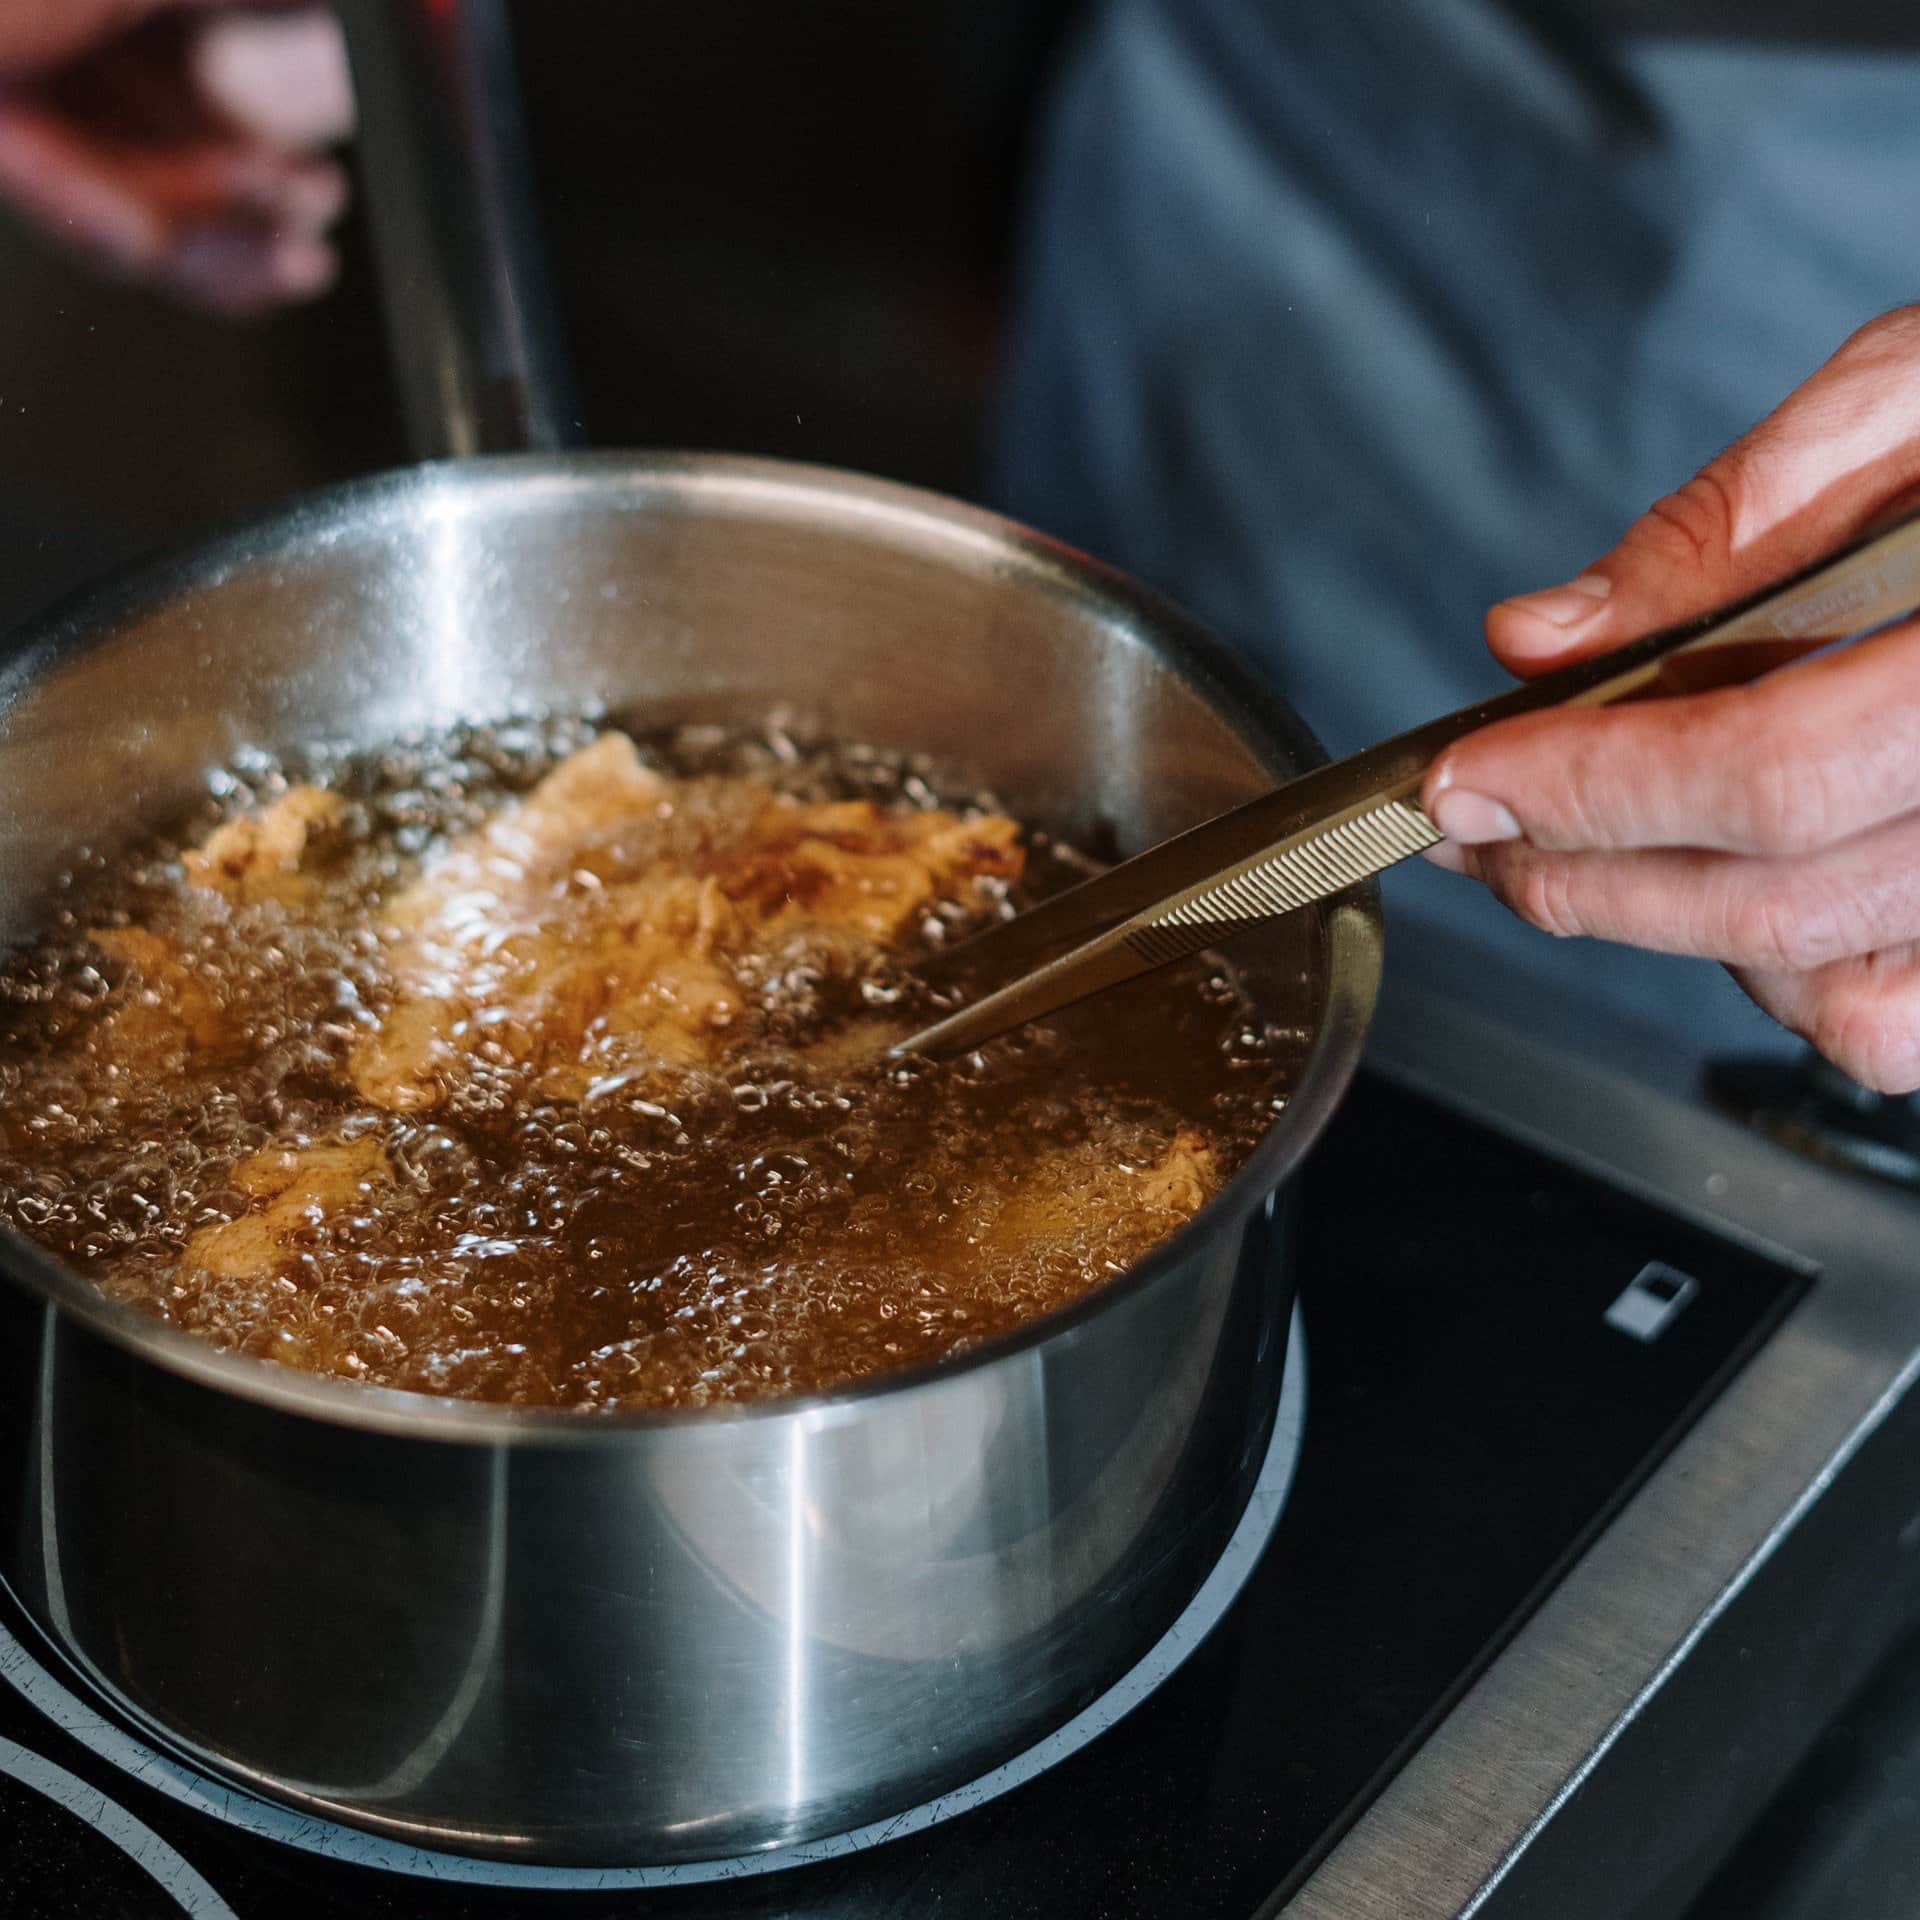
[
  {"x": 632, "y": 979},
  {"x": 561, "y": 939},
  {"x": 501, "y": 953},
  {"x": 509, "y": 866},
  {"x": 852, "y": 867},
  {"x": 1184, "y": 1178},
  {"x": 640, "y": 979},
  {"x": 405, "y": 1065},
  {"x": 295, "y": 1189},
  {"x": 257, "y": 856},
  {"x": 1070, "y": 1187},
  {"x": 164, "y": 1009}
]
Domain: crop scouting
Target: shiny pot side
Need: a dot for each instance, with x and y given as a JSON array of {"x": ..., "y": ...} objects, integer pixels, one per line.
[
  {"x": 716, "y": 1637},
  {"x": 646, "y": 1638}
]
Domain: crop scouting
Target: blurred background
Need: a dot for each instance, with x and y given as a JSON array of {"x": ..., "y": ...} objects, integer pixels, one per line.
[{"x": 771, "y": 233}]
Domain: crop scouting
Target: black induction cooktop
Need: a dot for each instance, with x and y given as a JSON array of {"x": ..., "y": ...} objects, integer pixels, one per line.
[{"x": 1499, "y": 1347}]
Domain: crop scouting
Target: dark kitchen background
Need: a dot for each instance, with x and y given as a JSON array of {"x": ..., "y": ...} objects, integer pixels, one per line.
[
  {"x": 777, "y": 229},
  {"x": 774, "y": 229}
]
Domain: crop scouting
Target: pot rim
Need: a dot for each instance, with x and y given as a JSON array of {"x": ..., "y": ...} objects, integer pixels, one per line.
[{"x": 1350, "y": 927}]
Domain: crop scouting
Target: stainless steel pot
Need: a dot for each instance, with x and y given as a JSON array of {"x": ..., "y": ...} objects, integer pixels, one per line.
[
  {"x": 623, "y": 1638},
  {"x": 627, "y": 1638}
]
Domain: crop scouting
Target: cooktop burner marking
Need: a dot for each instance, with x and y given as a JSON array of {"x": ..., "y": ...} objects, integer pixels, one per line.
[
  {"x": 234, "y": 1805},
  {"x": 134, "y": 1838}
]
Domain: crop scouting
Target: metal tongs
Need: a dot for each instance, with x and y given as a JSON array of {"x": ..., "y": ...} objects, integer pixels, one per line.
[{"x": 1332, "y": 828}]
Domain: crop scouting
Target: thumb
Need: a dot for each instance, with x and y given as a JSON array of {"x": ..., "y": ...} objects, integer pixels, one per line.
[{"x": 1809, "y": 476}]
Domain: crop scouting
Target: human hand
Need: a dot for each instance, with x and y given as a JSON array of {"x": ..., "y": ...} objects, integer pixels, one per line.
[
  {"x": 1776, "y": 826},
  {"x": 179, "y": 142}
]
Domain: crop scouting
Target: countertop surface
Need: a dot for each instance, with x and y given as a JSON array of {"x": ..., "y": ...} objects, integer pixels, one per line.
[{"x": 1661, "y": 1693}]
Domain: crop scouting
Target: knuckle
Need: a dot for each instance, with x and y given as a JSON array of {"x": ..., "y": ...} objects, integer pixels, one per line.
[
  {"x": 1561, "y": 812},
  {"x": 1697, "y": 521},
  {"x": 1786, "y": 929},
  {"x": 1541, "y": 892},
  {"x": 1784, "y": 800},
  {"x": 1594, "y": 799},
  {"x": 1897, "y": 330}
]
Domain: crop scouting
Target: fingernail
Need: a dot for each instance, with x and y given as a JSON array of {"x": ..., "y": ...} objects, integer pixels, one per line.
[
  {"x": 1473, "y": 819},
  {"x": 1447, "y": 855},
  {"x": 1569, "y": 606}
]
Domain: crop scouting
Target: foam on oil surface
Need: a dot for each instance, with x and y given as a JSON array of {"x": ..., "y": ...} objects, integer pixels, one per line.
[{"x": 774, "y": 1223}]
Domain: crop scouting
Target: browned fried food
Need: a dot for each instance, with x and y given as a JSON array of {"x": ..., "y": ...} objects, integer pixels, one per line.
[
  {"x": 1183, "y": 1179},
  {"x": 851, "y": 867},
  {"x": 294, "y": 1190},
  {"x": 631, "y": 978},
  {"x": 560, "y": 939},
  {"x": 1066, "y": 1189},
  {"x": 162, "y": 1010},
  {"x": 258, "y": 856}
]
